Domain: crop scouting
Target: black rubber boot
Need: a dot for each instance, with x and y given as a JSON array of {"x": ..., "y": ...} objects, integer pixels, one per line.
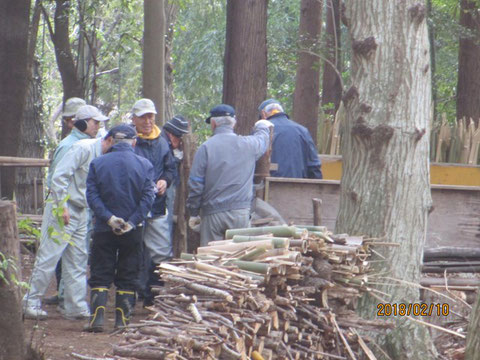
[
  {"x": 98, "y": 301},
  {"x": 123, "y": 307}
]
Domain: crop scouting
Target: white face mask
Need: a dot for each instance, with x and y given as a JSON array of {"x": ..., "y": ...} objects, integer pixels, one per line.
[{"x": 178, "y": 154}]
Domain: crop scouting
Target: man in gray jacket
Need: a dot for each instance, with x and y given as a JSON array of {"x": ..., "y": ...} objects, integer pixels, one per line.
[{"x": 221, "y": 179}]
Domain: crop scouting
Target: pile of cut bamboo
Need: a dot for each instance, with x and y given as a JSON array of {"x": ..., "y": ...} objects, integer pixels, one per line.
[{"x": 280, "y": 292}]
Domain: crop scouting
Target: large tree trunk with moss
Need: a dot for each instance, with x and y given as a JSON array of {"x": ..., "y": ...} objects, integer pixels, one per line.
[
  {"x": 14, "y": 21},
  {"x": 245, "y": 68},
  {"x": 468, "y": 86},
  {"x": 11, "y": 325},
  {"x": 306, "y": 98},
  {"x": 385, "y": 182},
  {"x": 332, "y": 69},
  {"x": 154, "y": 55}
]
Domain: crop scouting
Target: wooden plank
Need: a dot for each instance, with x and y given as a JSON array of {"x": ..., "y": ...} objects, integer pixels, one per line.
[
  {"x": 454, "y": 220},
  {"x": 18, "y": 161}
]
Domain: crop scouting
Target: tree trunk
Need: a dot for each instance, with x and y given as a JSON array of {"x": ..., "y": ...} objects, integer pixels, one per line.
[
  {"x": 11, "y": 325},
  {"x": 245, "y": 67},
  {"x": 14, "y": 21},
  {"x": 72, "y": 85},
  {"x": 154, "y": 55},
  {"x": 30, "y": 147},
  {"x": 171, "y": 10},
  {"x": 468, "y": 86},
  {"x": 307, "y": 83},
  {"x": 332, "y": 83},
  {"x": 472, "y": 349},
  {"x": 385, "y": 182},
  {"x": 31, "y": 128}
]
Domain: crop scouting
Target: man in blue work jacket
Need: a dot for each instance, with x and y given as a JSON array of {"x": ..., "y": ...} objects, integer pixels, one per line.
[
  {"x": 293, "y": 148},
  {"x": 120, "y": 191}
]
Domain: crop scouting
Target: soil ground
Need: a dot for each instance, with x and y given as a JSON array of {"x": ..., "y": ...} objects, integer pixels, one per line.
[{"x": 57, "y": 338}]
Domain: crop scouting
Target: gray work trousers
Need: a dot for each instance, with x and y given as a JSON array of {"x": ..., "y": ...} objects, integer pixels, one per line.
[
  {"x": 70, "y": 245},
  {"x": 213, "y": 226},
  {"x": 157, "y": 239}
]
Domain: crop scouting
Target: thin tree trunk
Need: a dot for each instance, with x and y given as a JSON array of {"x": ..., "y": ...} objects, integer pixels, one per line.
[
  {"x": 245, "y": 67},
  {"x": 11, "y": 325},
  {"x": 385, "y": 182},
  {"x": 332, "y": 83},
  {"x": 154, "y": 55},
  {"x": 72, "y": 85},
  {"x": 468, "y": 86},
  {"x": 14, "y": 22},
  {"x": 306, "y": 98},
  {"x": 171, "y": 10}
]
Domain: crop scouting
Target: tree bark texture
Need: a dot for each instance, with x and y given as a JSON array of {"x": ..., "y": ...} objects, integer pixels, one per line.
[
  {"x": 31, "y": 129},
  {"x": 332, "y": 83},
  {"x": 468, "y": 86},
  {"x": 154, "y": 55},
  {"x": 14, "y": 21},
  {"x": 171, "y": 10},
  {"x": 306, "y": 97},
  {"x": 385, "y": 182},
  {"x": 245, "y": 67},
  {"x": 11, "y": 325},
  {"x": 472, "y": 350},
  {"x": 72, "y": 85}
]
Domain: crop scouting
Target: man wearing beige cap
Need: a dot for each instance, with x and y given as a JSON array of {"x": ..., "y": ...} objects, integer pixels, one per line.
[
  {"x": 153, "y": 147},
  {"x": 69, "y": 110},
  {"x": 68, "y": 185}
]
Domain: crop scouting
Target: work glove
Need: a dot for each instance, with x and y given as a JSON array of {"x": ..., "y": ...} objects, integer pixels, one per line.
[
  {"x": 126, "y": 227},
  {"x": 194, "y": 223},
  {"x": 266, "y": 123},
  {"x": 178, "y": 154},
  {"x": 115, "y": 223}
]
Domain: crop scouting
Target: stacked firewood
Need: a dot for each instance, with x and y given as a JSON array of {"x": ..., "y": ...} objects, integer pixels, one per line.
[{"x": 264, "y": 293}]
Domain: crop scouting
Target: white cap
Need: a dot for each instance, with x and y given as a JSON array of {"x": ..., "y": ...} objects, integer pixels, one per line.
[
  {"x": 71, "y": 106},
  {"x": 87, "y": 112},
  {"x": 143, "y": 106}
]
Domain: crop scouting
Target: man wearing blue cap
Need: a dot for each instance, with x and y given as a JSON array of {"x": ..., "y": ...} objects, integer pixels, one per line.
[
  {"x": 221, "y": 179},
  {"x": 120, "y": 191},
  {"x": 293, "y": 148}
]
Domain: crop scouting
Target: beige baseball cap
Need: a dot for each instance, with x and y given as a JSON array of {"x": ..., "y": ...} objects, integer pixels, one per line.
[
  {"x": 71, "y": 106},
  {"x": 87, "y": 112},
  {"x": 144, "y": 106}
]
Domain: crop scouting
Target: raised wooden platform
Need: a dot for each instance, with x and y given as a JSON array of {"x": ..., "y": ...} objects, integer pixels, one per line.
[{"x": 453, "y": 222}]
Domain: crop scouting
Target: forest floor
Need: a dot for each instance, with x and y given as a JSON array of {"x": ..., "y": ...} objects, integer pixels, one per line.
[{"x": 57, "y": 338}]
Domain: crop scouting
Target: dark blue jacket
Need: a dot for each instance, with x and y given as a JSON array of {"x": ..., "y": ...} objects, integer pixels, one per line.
[
  {"x": 293, "y": 150},
  {"x": 120, "y": 183},
  {"x": 176, "y": 176},
  {"x": 158, "y": 153}
]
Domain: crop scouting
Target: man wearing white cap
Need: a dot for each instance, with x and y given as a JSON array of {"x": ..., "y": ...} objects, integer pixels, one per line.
[
  {"x": 153, "y": 147},
  {"x": 68, "y": 185},
  {"x": 69, "y": 110}
]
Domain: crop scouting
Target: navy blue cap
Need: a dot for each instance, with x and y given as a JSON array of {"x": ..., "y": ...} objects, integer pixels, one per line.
[
  {"x": 122, "y": 131},
  {"x": 264, "y": 104},
  {"x": 221, "y": 110}
]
